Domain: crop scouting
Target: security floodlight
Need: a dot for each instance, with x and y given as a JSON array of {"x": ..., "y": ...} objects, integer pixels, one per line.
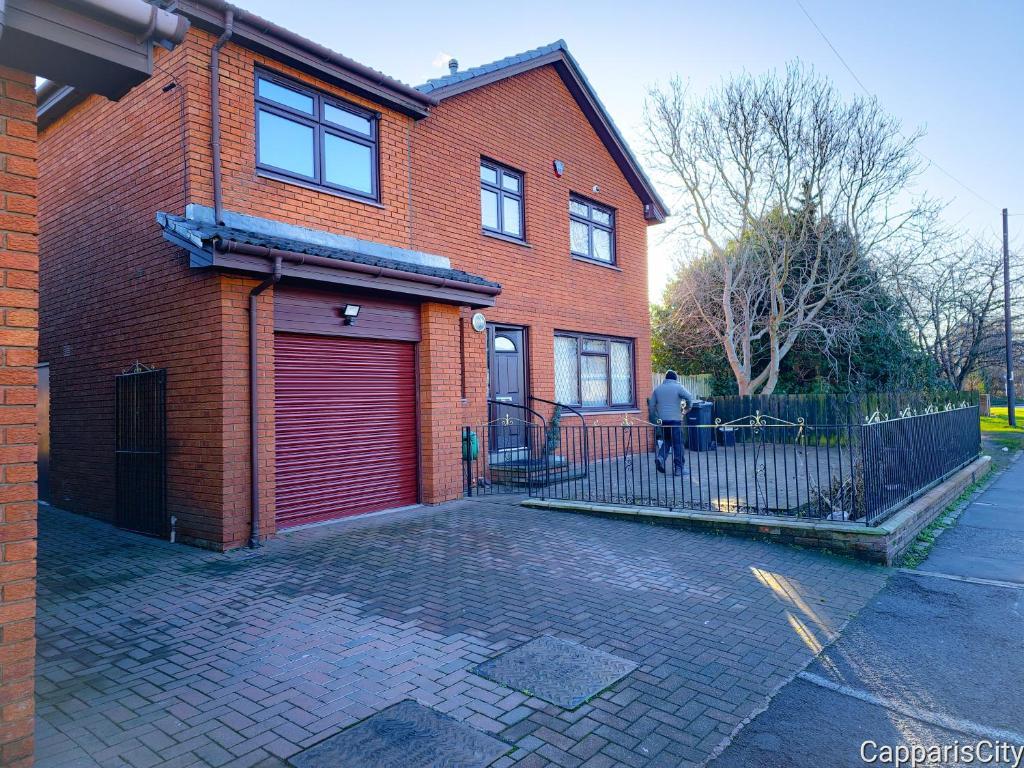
[{"x": 350, "y": 313}]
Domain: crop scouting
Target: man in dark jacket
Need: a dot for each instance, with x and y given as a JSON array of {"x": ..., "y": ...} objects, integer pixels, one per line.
[{"x": 667, "y": 401}]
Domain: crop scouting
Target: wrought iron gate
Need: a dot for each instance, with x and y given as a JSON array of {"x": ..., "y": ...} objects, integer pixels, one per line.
[{"x": 141, "y": 450}]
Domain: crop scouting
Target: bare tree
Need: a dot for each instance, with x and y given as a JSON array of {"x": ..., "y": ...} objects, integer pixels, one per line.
[
  {"x": 951, "y": 291},
  {"x": 790, "y": 190}
]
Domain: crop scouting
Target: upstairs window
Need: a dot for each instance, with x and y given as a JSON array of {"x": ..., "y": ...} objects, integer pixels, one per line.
[
  {"x": 591, "y": 230},
  {"x": 305, "y": 135},
  {"x": 501, "y": 200}
]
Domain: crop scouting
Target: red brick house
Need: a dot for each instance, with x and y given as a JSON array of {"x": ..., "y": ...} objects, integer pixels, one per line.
[
  {"x": 98, "y": 47},
  {"x": 301, "y": 244}
]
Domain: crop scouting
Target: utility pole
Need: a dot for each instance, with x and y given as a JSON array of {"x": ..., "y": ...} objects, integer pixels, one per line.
[{"x": 1011, "y": 400}]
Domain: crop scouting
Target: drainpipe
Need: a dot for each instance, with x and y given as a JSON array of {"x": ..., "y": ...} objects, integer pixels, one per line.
[
  {"x": 3, "y": 16},
  {"x": 254, "y": 405},
  {"x": 229, "y": 28}
]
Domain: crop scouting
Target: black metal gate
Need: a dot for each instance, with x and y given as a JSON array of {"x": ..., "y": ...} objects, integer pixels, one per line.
[{"x": 141, "y": 450}]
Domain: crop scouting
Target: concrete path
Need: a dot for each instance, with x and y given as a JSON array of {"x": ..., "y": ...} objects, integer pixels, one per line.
[
  {"x": 935, "y": 659},
  {"x": 988, "y": 541}
]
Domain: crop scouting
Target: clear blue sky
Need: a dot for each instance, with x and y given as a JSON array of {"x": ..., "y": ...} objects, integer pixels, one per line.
[{"x": 954, "y": 67}]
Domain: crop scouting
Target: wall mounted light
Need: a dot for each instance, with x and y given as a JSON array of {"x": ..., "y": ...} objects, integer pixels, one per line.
[{"x": 350, "y": 312}]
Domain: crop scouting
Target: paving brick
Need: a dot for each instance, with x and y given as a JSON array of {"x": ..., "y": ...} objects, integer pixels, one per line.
[{"x": 294, "y": 633}]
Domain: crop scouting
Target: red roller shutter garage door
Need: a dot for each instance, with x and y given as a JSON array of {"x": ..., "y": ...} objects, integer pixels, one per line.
[{"x": 345, "y": 431}]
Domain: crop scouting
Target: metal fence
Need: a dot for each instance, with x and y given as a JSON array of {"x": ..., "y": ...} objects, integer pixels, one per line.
[
  {"x": 905, "y": 456},
  {"x": 843, "y": 408},
  {"x": 757, "y": 465}
]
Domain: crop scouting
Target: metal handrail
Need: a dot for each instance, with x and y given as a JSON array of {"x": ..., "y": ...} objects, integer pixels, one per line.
[
  {"x": 526, "y": 408},
  {"x": 583, "y": 421},
  {"x": 529, "y": 432},
  {"x": 560, "y": 405}
]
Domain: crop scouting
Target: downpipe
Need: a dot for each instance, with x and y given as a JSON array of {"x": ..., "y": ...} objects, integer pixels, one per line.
[
  {"x": 218, "y": 195},
  {"x": 254, "y": 405}
]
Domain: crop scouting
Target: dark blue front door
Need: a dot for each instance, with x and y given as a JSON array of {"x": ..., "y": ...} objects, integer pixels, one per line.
[{"x": 506, "y": 365}]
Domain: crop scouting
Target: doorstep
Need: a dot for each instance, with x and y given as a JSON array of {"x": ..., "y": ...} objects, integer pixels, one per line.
[{"x": 882, "y": 543}]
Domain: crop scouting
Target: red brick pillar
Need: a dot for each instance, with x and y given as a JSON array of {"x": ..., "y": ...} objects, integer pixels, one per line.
[
  {"x": 440, "y": 403},
  {"x": 19, "y": 267}
]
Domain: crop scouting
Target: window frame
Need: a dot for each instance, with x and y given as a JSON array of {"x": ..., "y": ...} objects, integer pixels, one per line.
[
  {"x": 502, "y": 193},
  {"x": 591, "y": 225},
  {"x": 580, "y": 354},
  {"x": 322, "y": 127}
]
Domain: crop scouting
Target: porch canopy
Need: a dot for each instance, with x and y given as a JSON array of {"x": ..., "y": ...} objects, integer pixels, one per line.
[{"x": 251, "y": 244}]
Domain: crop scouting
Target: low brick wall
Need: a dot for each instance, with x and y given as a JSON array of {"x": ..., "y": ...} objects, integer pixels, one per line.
[{"x": 883, "y": 543}]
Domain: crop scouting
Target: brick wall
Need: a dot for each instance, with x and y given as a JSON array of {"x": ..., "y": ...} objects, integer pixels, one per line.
[
  {"x": 113, "y": 292},
  {"x": 247, "y": 192},
  {"x": 440, "y": 398},
  {"x": 527, "y": 122},
  {"x": 18, "y": 301}
]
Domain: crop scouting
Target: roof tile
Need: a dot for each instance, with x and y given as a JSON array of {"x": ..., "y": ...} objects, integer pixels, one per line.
[{"x": 206, "y": 234}]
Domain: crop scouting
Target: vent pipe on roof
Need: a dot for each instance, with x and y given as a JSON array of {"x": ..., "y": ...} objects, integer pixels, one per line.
[{"x": 453, "y": 65}]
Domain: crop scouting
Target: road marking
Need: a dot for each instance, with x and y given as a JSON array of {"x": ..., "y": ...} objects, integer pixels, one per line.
[
  {"x": 925, "y": 716},
  {"x": 966, "y": 579}
]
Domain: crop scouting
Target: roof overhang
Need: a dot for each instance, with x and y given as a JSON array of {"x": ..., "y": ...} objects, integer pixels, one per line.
[
  {"x": 98, "y": 47},
  {"x": 255, "y": 253},
  {"x": 236, "y": 257},
  {"x": 576, "y": 82},
  {"x": 285, "y": 46}
]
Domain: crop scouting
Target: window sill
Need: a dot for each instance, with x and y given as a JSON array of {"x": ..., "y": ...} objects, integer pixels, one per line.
[
  {"x": 592, "y": 411},
  {"x": 506, "y": 238},
  {"x": 596, "y": 263},
  {"x": 284, "y": 179}
]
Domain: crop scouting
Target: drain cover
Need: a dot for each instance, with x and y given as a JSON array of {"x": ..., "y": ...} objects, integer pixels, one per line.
[
  {"x": 558, "y": 671},
  {"x": 405, "y": 734}
]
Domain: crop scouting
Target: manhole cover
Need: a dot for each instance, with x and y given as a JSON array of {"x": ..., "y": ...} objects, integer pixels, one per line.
[
  {"x": 405, "y": 734},
  {"x": 558, "y": 671}
]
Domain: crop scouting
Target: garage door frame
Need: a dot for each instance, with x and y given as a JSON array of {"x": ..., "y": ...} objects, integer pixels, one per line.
[{"x": 302, "y": 309}]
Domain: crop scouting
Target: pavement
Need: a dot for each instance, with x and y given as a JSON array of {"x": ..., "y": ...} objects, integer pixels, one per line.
[
  {"x": 934, "y": 659},
  {"x": 156, "y": 654}
]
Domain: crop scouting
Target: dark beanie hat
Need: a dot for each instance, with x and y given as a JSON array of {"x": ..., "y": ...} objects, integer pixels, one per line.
[{"x": 670, "y": 374}]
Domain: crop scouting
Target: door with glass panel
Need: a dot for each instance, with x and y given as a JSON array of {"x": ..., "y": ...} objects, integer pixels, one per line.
[{"x": 506, "y": 366}]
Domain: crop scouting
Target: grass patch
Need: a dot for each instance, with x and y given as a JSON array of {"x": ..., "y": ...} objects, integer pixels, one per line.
[
  {"x": 918, "y": 552},
  {"x": 997, "y": 425},
  {"x": 1002, "y": 410}
]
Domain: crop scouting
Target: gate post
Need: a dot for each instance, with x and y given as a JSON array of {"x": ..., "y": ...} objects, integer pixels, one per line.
[{"x": 467, "y": 459}]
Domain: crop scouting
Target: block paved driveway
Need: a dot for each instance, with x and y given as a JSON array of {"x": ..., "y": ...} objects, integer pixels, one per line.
[{"x": 158, "y": 654}]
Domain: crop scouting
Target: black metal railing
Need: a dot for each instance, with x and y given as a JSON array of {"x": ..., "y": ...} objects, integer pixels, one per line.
[
  {"x": 843, "y": 408},
  {"x": 758, "y": 465},
  {"x": 557, "y": 414},
  {"x": 904, "y": 457}
]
